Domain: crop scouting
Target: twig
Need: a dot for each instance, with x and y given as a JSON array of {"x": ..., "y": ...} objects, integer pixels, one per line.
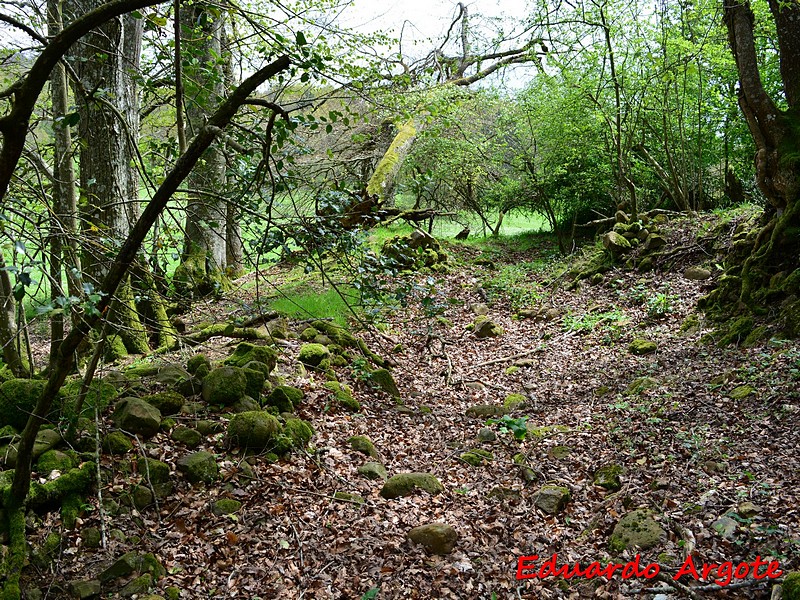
[
  {"x": 678, "y": 586},
  {"x": 504, "y": 359},
  {"x": 101, "y": 509}
]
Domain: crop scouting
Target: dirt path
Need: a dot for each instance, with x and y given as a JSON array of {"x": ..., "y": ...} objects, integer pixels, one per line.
[{"x": 689, "y": 452}]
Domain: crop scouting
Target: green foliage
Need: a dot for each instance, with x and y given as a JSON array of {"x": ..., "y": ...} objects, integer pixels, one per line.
[{"x": 518, "y": 426}]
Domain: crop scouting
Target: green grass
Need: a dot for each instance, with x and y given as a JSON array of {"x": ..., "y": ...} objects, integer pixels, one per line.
[{"x": 310, "y": 304}]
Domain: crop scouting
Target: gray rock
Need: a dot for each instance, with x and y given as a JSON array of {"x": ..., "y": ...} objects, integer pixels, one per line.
[
  {"x": 437, "y": 538},
  {"x": 153, "y": 470},
  {"x": 608, "y": 477},
  {"x": 616, "y": 243},
  {"x": 199, "y": 467},
  {"x": 551, "y": 499},
  {"x": 481, "y": 309},
  {"x": 637, "y": 529},
  {"x": 187, "y": 436},
  {"x": 138, "y": 586},
  {"x": 404, "y": 484},
  {"x": 245, "y": 404},
  {"x": 384, "y": 380},
  {"x": 654, "y": 242},
  {"x": 725, "y": 526},
  {"x": 361, "y": 443},
  {"x": 373, "y": 470},
  {"x": 486, "y": 328},
  {"x": 137, "y": 416},
  {"x": 46, "y": 439},
  {"x": 83, "y": 590},
  {"x": 486, "y": 435},
  {"x": 697, "y": 274},
  {"x": 254, "y": 430},
  {"x": 485, "y": 410},
  {"x": 224, "y": 385}
]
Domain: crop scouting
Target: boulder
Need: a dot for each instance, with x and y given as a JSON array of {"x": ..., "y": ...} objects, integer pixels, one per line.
[
  {"x": 315, "y": 356},
  {"x": 245, "y": 404},
  {"x": 153, "y": 470},
  {"x": 196, "y": 362},
  {"x": 18, "y": 398},
  {"x": 296, "y": 434},
  {"x": 361, "y": 443},
  {"x": 167, "y": 403},
  {"x": 200, "y": 467},
  {"x": 187, "y": 436},
  {"x": 343, "y": 395},
  {"x": 373, "y": 470},
  {"x": 404, "y": 484},
  {"x": 224, "y": 385},
  {"x": 486, "y": 435},
  {"x": 384, "y": 380},
  {"x": 136, "y": 416},
  {"x": 486, "y": 328},
  {"x": 476, "y": 457},
  {"x": 255, "y": 379},
  {"x": 638, "y": 529},
  {"x": 246, "y": 352},
  {"x": 284, "y": 398},
  {"x": 46, "y": 440},
  {"x": 697, "y": 274},
  {"x": 608, "y": 477},
  {"x": 83, "y": 590},
  {"x": 654, "y": 242},
  {"x": 481, "y": 309},
  {"x": 551, "y": 499},
  {"x": 641, "y": 346},
  {"x": 255, "y": 430},
  {"x": 55, "y": 460},
  {"x": 436, "y": 538},
  {"x": 616, "y": 243}
]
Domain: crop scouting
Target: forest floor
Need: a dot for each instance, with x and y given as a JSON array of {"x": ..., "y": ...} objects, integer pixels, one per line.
[{"x": 693, "y": 443}]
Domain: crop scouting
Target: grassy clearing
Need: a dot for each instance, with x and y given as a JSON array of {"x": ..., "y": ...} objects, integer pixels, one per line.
[{"x": 306, "y": 303}]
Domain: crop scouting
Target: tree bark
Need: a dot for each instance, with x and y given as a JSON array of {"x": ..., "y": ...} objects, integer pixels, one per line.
[{"x": 205, "y": 253}]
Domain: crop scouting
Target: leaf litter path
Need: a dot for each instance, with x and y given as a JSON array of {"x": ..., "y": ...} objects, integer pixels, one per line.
[{"x": 690, "y": 453}]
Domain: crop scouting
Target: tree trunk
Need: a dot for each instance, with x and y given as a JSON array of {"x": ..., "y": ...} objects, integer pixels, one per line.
[
  {"x": 109, "y": 124},
  {"x": 205, "y": 253},
  {"x": 63, "y": 222},
  {"x": 383, "y": 180},
  {"x": 749, "y": 280}
]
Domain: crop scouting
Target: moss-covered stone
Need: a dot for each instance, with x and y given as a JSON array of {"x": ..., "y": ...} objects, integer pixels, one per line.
[
  {"x": 246, "y": 352},
  {"x": 255, "y": 382},
  {"x": 361, "y": 443},
  {"x": 187, "y": 436},
  {"x": 285, "y": 398},
  {"x": 404, "y": 484},
  {"x": 153, "y": 470},
  {"x": 616, "y": 243},
  {"x": 18, "y": 398},
  {"x": 436, "y": 538},
  {"x": 373, "y": 470},
  {"x": 137, "y": 586},
  {"x": 343, "y": 395},
  {"x": 196, "y": 361},
  {"x": 736, "y": 331},
  {"x": 384, "y": 380},
  {"x": 117, "y": 443},
  {"x": 514, "y": 401},
  {"x": 226, "y": 506},
  {"x": 224, "y": 385},
  {"x": 256, "y": 430},
  {"x": 640, "y": 347},
  {"x": 791, "y": 586},
  {"x": 315, "y": 356},
  {"x": 55, "y": 460},
  {"x": 167, "y": 403},
  {"x": 476, "y": 457},
  {"x": 296, "y": 434},
  {"x": 84, "y": 590},
  {"x": 637, "y": 529},
  {"x": 136, "y": 416},
  {"x": 99, "y": 395},
  {"x": 608, "y": 477},
  {"x": 483, "y": 328},
  {"x": 199, "y": 467},
  {"x": 308, "y": 334},
  {"x": 551, "y": 499}
]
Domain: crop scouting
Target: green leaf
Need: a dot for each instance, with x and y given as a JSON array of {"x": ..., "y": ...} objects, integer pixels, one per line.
[
  {"x": 371, "y": 594},
  {"x": 300, "y": 38}
]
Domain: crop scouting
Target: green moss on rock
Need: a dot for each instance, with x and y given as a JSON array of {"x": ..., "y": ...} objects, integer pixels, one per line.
[
  {"x": 640, "y": 347},
  {"x": 247, "y": 352},
  {"x": 637, "y": 529},
  {"x": 791, "y": 586},
  {"x": 224, "y": 385},
  {"x": 18, "y": 398},
  {"x": 315, "y": 356},
  {"x": 256, "y": 430},
  {"x": 167, "y": 403},
  {"x": 117, "y": 443},
  {"x": 361, "y": 443},
  {"x": 200, "y": 467},
  {"x": 404, "y": 484},
  {"x": 343, "y": 395},
  {"x": 285, "y": 398}
]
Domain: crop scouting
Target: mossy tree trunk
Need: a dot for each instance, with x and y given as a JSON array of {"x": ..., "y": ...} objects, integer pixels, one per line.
[
  {"x": 205, "y": 253},
  {"x": 761, "y": 267}
]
